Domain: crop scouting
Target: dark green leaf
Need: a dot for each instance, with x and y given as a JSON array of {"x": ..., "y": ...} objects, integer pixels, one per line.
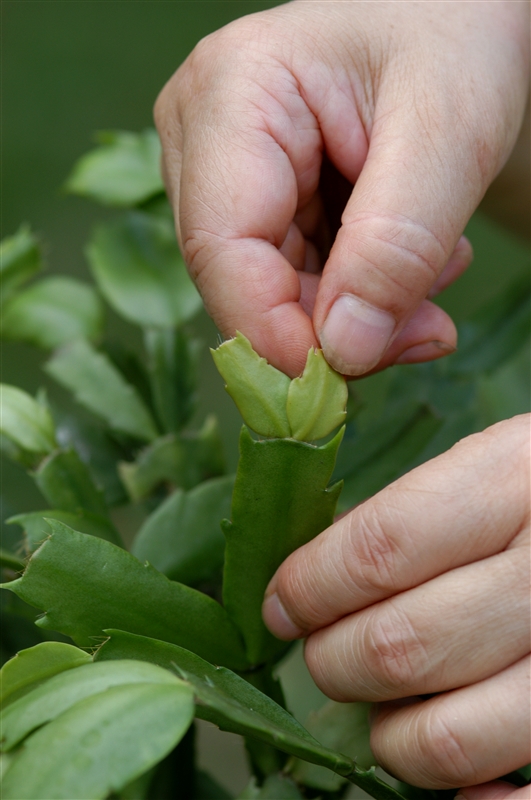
[
  {"x": 494, "y": 334},
  {"x": 98, "y": 745},
  {"x": 183, "y": 459},
  {"x": 141, "y": 273},
  {"x": 63, "y": 690},
  {"x": 132, "y": 367},
  {"x": 98, "y": 385},
  {"x": 506, "y": 391},
  {"x": 52, "y": 312},
  {"x": 82, "y": 432},
  {"x": 25, "y": 421},
  {"x": 209, "y": 789},
  {"x": 228, "y": 700},
  {"x": 36, "y": 528},
  {"x": 31, "y": 667},
  {"x": 280, "y": 502},
  {"x": 275, "y": 787},
  {"x": 85, "y": 585},
  {"x": 66, "y": 483},
  {"x": 174, "y": 777},
  {"x": 342, "y": 726},
  {"x": 183, "y": 537},
  {"x": 454, "y": 428},
  {"x": 123, "y": 171},
  {"x": 20, "y": 259},
  {"x": 172, "y": 365},
  {"x": 383, "y": 452},
  {"x": 361, "y": 445}
]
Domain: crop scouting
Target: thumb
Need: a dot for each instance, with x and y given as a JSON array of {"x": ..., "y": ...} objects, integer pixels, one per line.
[{"x": 400, "y": 226}]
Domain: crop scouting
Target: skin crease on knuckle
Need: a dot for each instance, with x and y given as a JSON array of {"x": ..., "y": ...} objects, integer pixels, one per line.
[
  {"x": 446, "y": 741},
  {"x": 457, "y": 629}
]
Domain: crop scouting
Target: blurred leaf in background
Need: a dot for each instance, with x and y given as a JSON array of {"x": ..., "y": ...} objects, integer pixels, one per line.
[
  {"x": 138, "y": 267},
  {"x": 123, "y": 171},
  {"x": 20, "y": 260},
  {"x": 52, "y": 312}
]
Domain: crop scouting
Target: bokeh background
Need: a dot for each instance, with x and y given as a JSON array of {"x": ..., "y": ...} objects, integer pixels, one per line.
[{"x": 72, "y": 68}]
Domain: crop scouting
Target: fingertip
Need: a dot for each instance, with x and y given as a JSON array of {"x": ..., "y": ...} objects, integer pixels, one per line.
[
  {"x": 426, "y": 351},
  {"x": 430, "y": 334},
  {"x": 277, "y": 619}
]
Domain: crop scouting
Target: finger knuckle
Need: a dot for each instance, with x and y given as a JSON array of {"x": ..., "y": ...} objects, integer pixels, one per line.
[
  {"x": 330, "y": 672},
  {"x": 394, "y": 654},
  {"x": 373, "y": 552},
  {"x": 401, "y": 254},
  {"x": 444, "y": 751}
]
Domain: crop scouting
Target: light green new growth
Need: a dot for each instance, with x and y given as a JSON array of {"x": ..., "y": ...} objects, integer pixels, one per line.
[
  {"x": 317, "y": 400},
  {"x": 259, "y": 390},
  {"x": 306, "y": 408},
  {"x": 25, "y": 421}
]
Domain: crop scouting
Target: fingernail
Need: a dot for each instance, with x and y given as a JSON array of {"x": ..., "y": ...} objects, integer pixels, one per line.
[
  {"x": 427, "y": 351},
  {"x": 278, "y": 620},
  {"x": 355, "y": 335}
]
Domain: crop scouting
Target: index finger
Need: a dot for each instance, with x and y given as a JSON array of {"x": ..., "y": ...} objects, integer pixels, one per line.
[
  {"x": 462, "y": 506},
  {"x": 240, "y": 174}
]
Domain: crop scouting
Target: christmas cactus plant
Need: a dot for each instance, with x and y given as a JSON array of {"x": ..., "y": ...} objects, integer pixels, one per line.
[{"x": 138, "y": 635}]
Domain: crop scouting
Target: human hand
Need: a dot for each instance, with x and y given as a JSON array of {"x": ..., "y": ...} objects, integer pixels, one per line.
[
  {"x": 417, "y": 103},
  {"x": 425, "y": 589}
]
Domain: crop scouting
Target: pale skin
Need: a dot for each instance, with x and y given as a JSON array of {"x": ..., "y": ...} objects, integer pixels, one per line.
[{"x": 424, "y": 589}]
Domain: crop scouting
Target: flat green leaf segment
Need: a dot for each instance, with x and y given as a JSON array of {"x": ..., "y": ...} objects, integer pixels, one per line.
[
  {"x": 52, "y": 312},
  {"x": 25, "y": 422},
  {"x": 36, "y": 528},
  {"x": 67, "y": 484},
  {"x": 228, "y": 700},
  {"x": 172, "y": 363},
  {"x": 32, "y": 666},
  {"x": 184, "y": 459},
  {"x": 85, "y": 584},
  {"x": 123, "y": 171},
  {"x": 100, "y": 387},
  {"x": 60, "y": 692},
  {"x": 91, "y": 742},
  {"x": 183, "y": 538},
  {"x": 280, "y": 502},
  {"x": 20, "y": 260},
  {"x": 306, "y": 408},
  {"x": 141, "y": 273}
]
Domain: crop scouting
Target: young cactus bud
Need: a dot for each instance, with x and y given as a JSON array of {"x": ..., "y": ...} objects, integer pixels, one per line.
[{"x": 306, "y": 408}]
